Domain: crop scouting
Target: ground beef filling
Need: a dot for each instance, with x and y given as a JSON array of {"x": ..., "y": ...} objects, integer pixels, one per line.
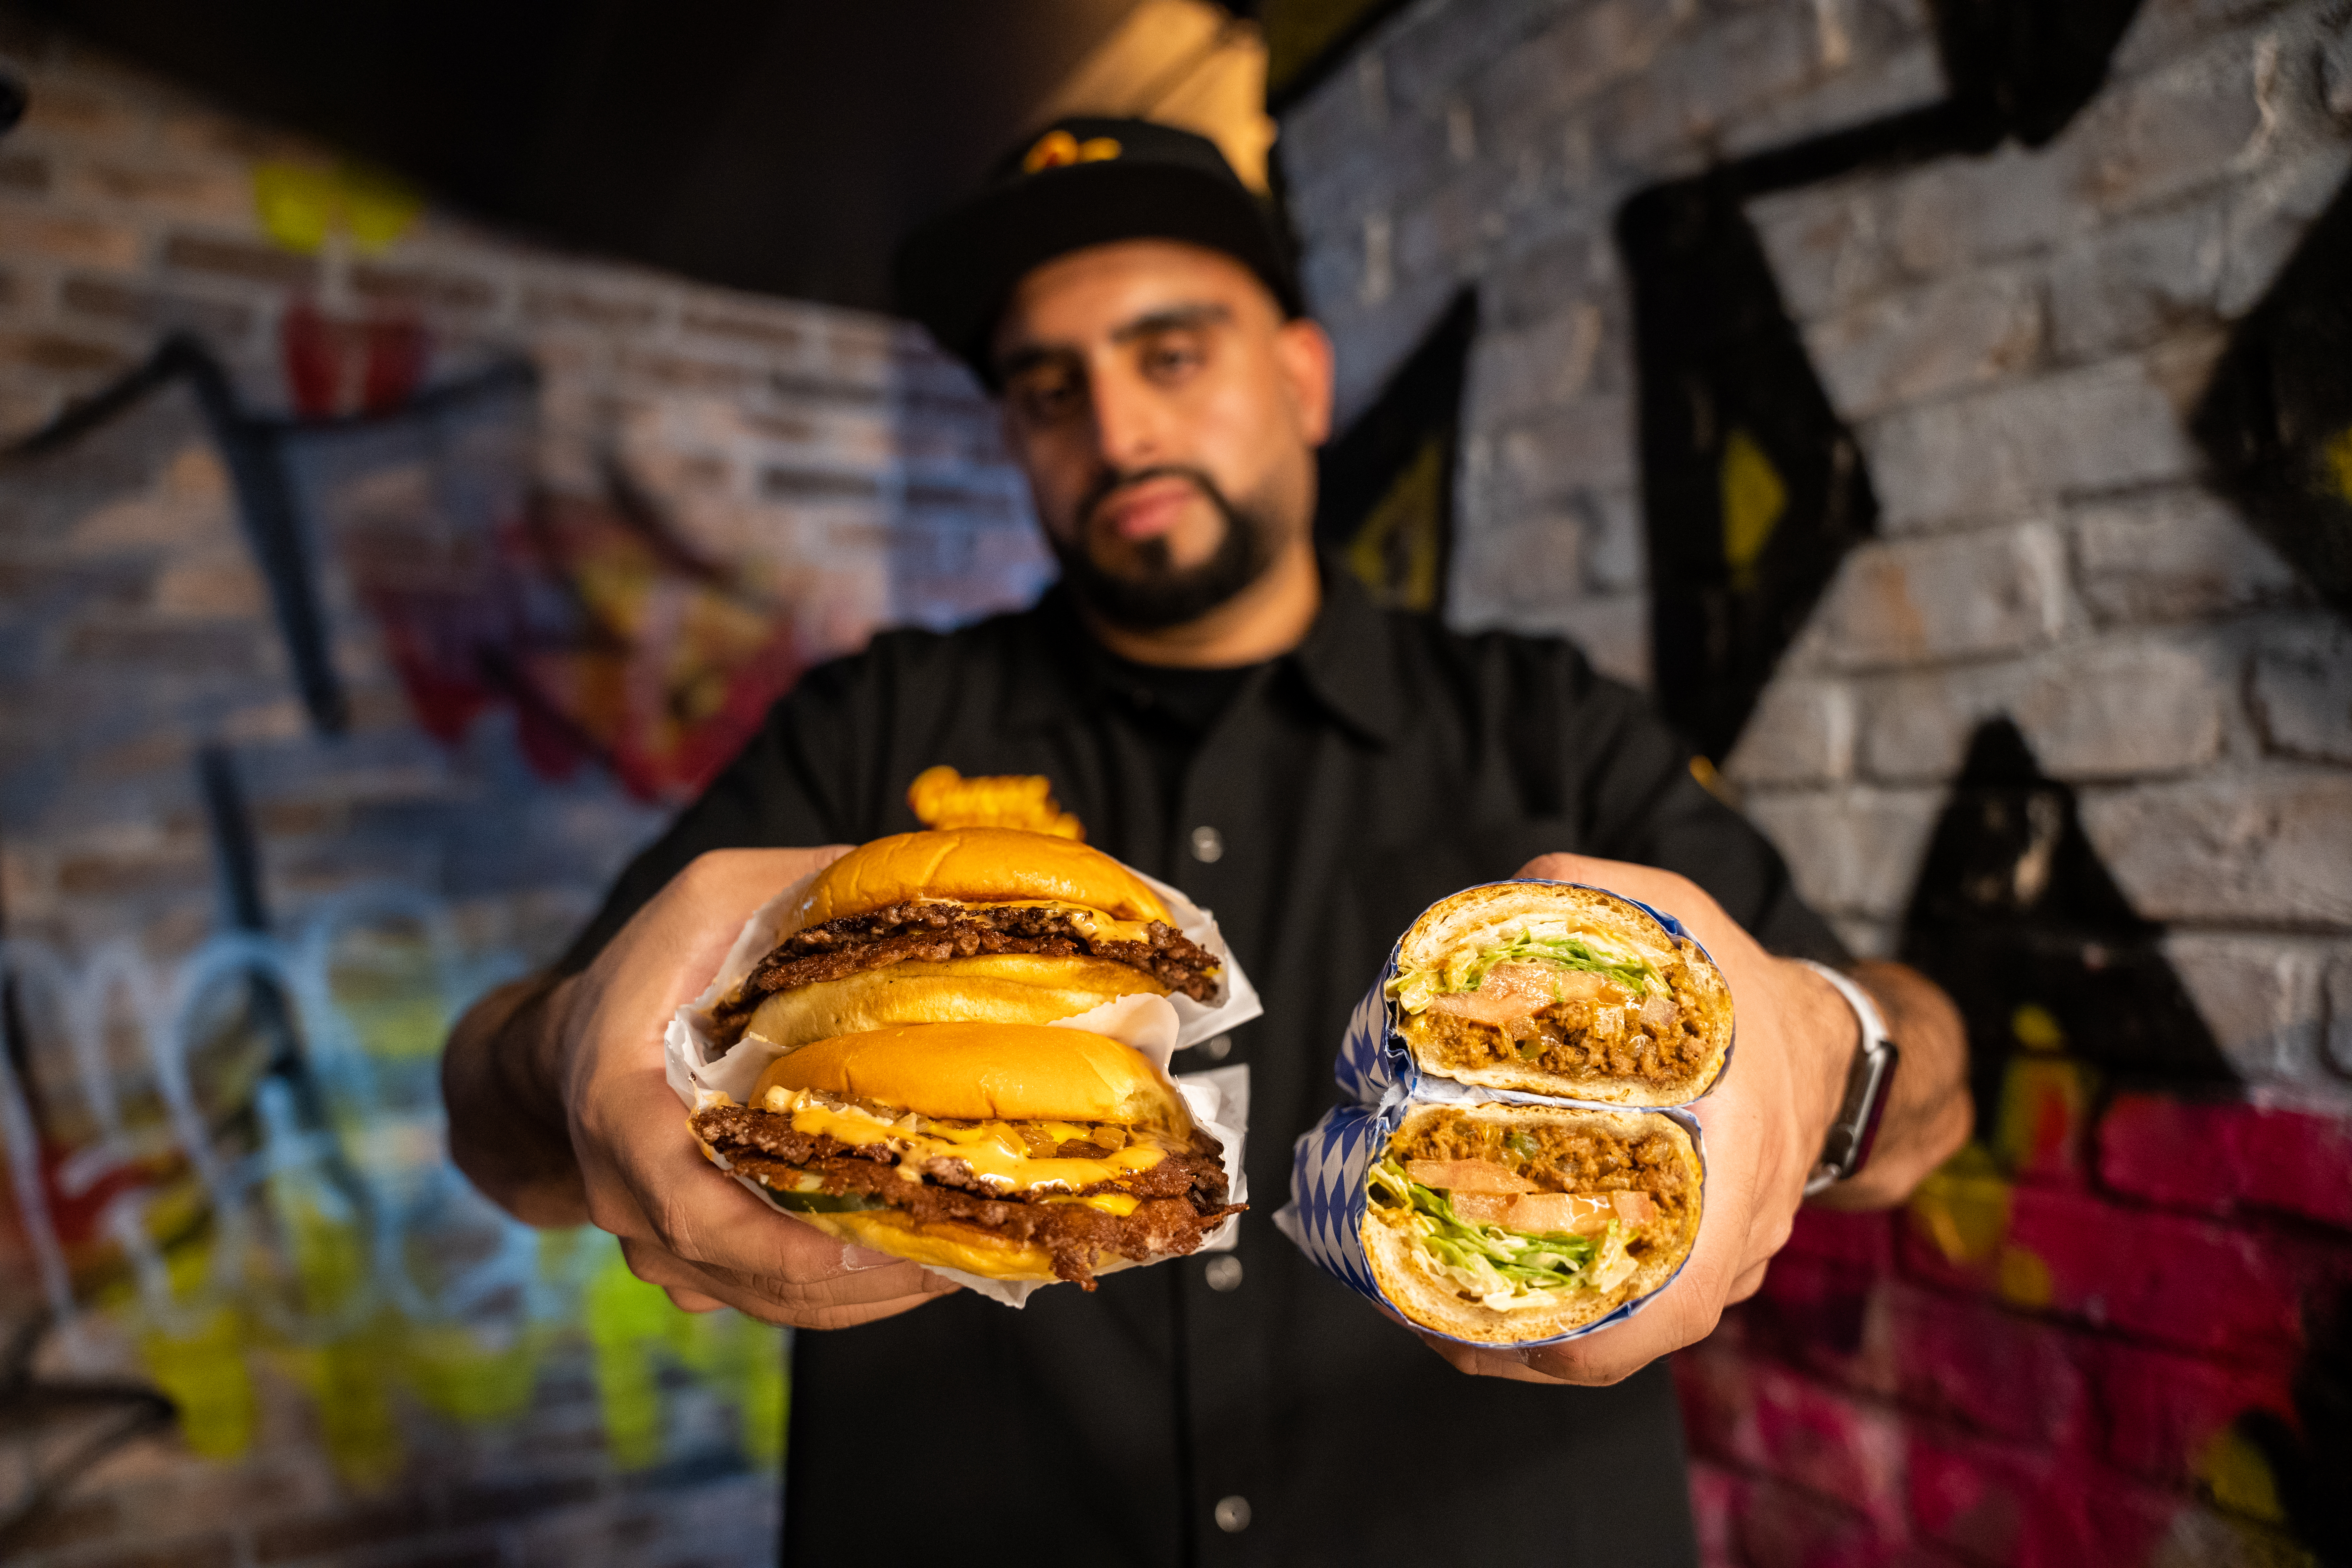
[
  {"x": 1598, "y": 1038},
  {"x": 1183, "y": 1196},
  {"x": 934, "y": 931},
  {"x": 1568, "y": 1158}
]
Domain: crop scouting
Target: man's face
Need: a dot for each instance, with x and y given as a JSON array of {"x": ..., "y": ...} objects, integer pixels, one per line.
[{"x": 1167, "y": 417}]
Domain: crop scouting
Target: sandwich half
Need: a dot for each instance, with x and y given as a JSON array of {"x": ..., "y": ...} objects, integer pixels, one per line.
[
  {"x": 1502, "y": 1224},
  {"x": 1551, "y": 989}
]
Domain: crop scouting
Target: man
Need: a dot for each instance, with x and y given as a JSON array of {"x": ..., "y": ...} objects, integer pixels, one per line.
[{"x": 1223, "y": 711}]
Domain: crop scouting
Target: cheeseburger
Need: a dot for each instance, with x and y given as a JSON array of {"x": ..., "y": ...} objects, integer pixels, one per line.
[
  {"x": 1551, "y": 989},
  {"x": 967, "y": 925},
  {"x": 1502, "y": 1224},
  {"x": 1013, "y": 1151}
]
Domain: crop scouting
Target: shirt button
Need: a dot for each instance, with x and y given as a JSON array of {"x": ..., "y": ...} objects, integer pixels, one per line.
[
  {"x": 1232, "y": 1514},
  {"x": 1208, "y": 847},
  {"x": 1217, "y": 1048},
  {"x": 1223, "y": 1272}
]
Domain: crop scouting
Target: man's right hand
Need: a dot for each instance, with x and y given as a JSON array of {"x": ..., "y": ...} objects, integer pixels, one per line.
[{"x": 558, "y": 1111}]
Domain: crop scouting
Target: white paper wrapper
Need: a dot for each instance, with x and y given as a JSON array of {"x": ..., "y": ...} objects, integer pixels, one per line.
[{"x": 1158, "y": 1026}]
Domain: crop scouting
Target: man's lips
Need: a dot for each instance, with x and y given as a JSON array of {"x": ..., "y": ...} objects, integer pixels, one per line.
[{"x": 1148, "y": 510}]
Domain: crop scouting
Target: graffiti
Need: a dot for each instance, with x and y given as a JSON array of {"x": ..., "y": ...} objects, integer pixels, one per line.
[
  {"x": 184, "y": 1193},
  {"x": 1755, "y": 489},
  {"x": 1386, "y": 487}
]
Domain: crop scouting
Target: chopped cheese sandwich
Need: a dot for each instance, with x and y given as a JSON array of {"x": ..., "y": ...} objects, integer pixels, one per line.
[
  {"x": 1013, "y": 1150},
  {"x": 1502, "y": 1224},
  {"x": 1551, "y": 989}
]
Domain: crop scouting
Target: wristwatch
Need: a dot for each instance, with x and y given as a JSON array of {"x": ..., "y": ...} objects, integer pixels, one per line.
[{"x": 1856, "y": 1128}]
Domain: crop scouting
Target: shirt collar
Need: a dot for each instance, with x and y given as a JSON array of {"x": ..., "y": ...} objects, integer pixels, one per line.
[{"x": 1345, "y": 662}]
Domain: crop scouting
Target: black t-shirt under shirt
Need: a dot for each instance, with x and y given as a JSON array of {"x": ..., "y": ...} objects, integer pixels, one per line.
[{"x": 1316, "y": 802}]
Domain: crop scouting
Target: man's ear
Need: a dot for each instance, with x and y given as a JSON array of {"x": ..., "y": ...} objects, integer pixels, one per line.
[{"x": 1302, "y": 354}]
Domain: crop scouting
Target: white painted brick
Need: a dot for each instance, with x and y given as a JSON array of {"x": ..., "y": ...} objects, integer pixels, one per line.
[
  {"x": 2125, "y": 287},
  {"x": 1616, "y": 541},
  {"x": 1909, "y": 601},
  {"x": 2274, "y": 848},
  {"x": 1909, "y": 79},
  {"x": 2259, "y": 995},
  {"x": 2178, "y": 554},
  {"x": 1851, "y": 851},
  {"x": 1800, "y": 733},
  {"x": 2017, "y": 446},
  {"x": 1957, "y": 212},
  {"x": 1614, "y": 630},
  {"x": 2144, "y": 140},
  {"x": 1580, "y": 444},
  {"x": 1519, "y": 567},
  {"x": 2115, "y": 710},
  {"x": 1528, "y": 370},
  {"x": 1828, "y": 244},
  {"x": 2302, "y": 691},
  {"x": 2269, "y": 213},
  {"x": 1923, "y": 342},
  {"x": 1915, "y": 727}
]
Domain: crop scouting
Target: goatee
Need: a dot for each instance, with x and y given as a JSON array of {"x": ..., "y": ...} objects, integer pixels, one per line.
[{"x": 1159, "y": 594}]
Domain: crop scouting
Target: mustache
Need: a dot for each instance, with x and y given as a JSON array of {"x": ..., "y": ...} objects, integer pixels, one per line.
[{"x": 1113, "y": 480}]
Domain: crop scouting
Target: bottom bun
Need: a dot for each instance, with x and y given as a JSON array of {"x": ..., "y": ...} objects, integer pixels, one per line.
[
  {"x": 945, "y": 1244},
  {"x": 1435, "y": 1301}
]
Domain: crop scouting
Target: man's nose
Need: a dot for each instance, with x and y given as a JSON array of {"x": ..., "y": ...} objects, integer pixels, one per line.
[{"x": 1127, "y": 429}]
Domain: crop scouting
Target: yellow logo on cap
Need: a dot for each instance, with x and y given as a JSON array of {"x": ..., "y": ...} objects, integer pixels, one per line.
[{"x": 1058, "y": 149}]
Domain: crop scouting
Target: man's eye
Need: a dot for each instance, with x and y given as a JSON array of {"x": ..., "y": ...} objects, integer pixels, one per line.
[
  {"x": 1048, "y": 398},
  {"x": 1169, "y": 357}
]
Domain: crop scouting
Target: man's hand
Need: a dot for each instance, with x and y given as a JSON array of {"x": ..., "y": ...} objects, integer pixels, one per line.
[
  {"x": 1764, "y": 1124},
  {"x": 560, "y": 1112}
]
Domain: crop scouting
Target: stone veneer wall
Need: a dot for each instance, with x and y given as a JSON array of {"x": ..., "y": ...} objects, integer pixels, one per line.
[
  {"x": 2016, "y": 340},
  {"x": 831, "y": 454}
]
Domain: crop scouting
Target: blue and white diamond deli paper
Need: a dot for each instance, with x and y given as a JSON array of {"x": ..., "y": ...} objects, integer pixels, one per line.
[{"x": 1331, "y": 1162}]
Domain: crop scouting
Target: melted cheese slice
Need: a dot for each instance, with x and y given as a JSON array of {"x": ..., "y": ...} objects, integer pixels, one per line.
[
  {"x": 1093, "y": 923},
  {"x": 995, "y": 1151}
]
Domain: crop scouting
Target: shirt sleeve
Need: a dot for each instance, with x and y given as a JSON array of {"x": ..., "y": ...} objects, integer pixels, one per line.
[
  {"x": 1630, "y": 774},
  {"x": 783, "y": 790}
]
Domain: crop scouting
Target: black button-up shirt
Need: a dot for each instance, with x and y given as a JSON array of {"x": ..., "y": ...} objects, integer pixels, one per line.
[{"x": 1280, "y": 1419}]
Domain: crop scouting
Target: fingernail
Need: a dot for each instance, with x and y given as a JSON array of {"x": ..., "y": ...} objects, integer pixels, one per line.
[{"x": 854, "y": 1259}]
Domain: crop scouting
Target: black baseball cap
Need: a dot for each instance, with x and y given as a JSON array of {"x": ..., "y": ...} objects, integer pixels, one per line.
[{"x": 1081, "y": 182}]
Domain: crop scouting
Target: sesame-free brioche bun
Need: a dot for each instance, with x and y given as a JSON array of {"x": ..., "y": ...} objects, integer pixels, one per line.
[
  {"x": 943, "y": 1244},
  {"x": 992, "y": 988},
  {"x": 973, "y": 866},
  {"x": 983, "y": 1072}
]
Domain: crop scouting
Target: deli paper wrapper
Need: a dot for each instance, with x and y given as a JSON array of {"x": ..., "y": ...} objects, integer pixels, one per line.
[
  {"x": 1158, "y": 1026},
  {"x": 1332, "y": 1161}
]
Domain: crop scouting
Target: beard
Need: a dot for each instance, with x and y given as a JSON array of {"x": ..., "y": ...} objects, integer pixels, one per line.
[{"x": 1156, "y": 594}]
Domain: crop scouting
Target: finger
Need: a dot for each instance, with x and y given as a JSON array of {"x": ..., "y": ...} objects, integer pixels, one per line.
[
  {"x": 694, "y": 1301},
  {"x": 1748, "y": 1284},
  {"x": 676, "y": 1275}
]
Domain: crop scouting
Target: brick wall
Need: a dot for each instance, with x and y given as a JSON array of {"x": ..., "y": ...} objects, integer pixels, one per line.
[
  {"x": 2094, "y": 1337},
  {"x": 376, "y": 1368}
]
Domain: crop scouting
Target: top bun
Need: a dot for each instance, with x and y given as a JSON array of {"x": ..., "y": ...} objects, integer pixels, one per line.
[
  {"x": 973, "y": 866},
  {"x": 982, "y": 1072}
]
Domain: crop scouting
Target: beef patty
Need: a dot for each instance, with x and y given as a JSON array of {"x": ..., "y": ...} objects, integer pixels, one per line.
[
  {"x": 931, "y": 931},
  {"x": 1181, "y": 1198}
]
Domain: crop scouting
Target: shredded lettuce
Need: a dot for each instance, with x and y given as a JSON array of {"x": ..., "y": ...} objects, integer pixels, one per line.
[
  {"x": 1504, "y": 1267},
  {"x": 1467, "y": 971}
]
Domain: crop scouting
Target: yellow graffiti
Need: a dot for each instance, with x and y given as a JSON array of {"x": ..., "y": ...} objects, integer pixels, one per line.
[
  {"x": 2337, "y": 457},
  {"x": 1962, "y": 1208},
  {"x": 1754, "y": 497},
  {"x": 2240, "y": 1476},
  {"x": 630, "y": 1320},
  {"x": 2036, "y": 1028},
  {"x": 2045, "y": 1102},
  {"x": 300, "y": 203},
  {"x": 204, "y": 1372}
]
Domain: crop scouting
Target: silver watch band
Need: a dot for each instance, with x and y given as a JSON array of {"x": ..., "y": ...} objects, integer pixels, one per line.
[{"x": 1848, "y": 1145}]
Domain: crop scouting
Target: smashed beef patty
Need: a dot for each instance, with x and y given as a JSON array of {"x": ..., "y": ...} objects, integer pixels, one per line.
[
  {"x": 1182, "y": 1196},
  {"x": 931, "y": 932}
]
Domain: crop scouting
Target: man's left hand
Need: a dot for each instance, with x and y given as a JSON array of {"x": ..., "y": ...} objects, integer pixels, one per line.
[{"x": 1764, "y": 1124}]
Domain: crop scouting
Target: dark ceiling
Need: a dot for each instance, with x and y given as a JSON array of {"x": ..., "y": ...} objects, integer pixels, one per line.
[{"x": 778, "y": 147}]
